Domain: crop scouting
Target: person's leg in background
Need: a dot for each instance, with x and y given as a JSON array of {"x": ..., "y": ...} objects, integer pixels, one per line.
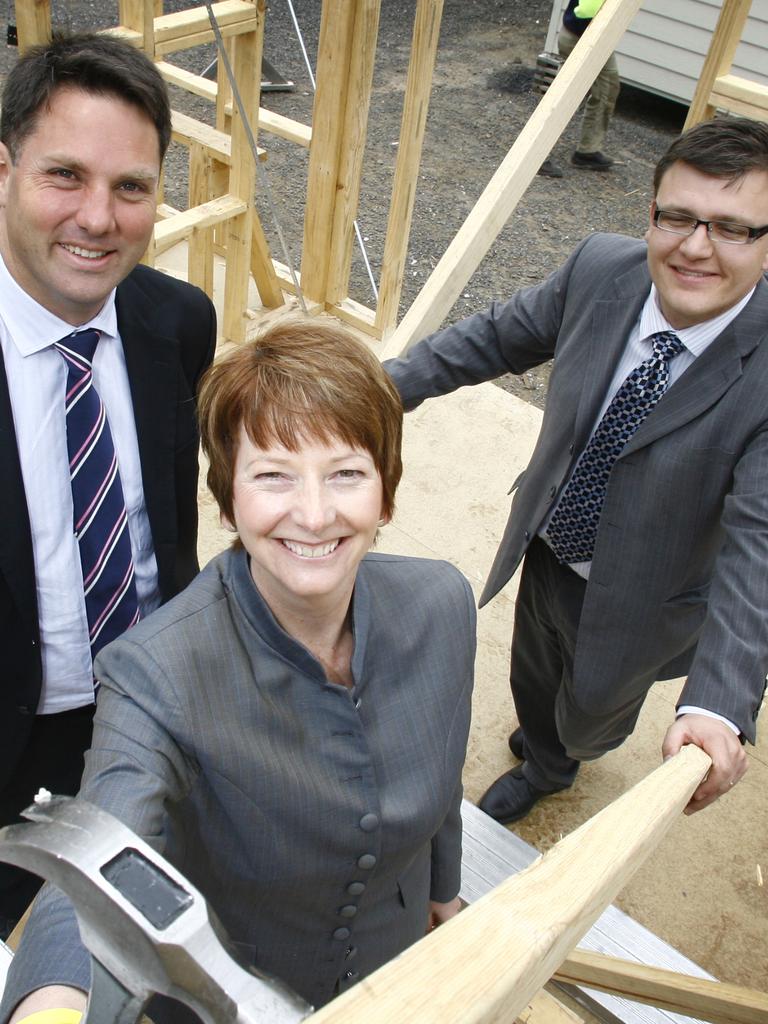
[{"x": 601, "y": 103}]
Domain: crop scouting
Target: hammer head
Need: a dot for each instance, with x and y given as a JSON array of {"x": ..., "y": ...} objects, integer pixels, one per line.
[{"x": 147, "y": 927}]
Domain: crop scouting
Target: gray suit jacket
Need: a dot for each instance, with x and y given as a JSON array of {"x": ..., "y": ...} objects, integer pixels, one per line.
[
  {"x": 318, "y": 821},
  {"x": 679, "y": 580}
]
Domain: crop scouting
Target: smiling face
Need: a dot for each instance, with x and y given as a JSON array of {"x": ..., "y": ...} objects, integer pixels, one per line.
[
  {"x": 306, "y": 519},
  {"x": 698, "y": 279},
  {"x": 78, "y": 205}
]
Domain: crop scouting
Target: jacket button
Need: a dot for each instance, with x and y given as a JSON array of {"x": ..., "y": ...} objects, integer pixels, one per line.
[
  {"x": 351, "y": 975},
  {"x": 351, "y": 953},
  {"x": 369, "y": 822},
  {"x": 366, "y": 862},
  {"x": 342, "y": 933},
  {"x": 348, "y": 911},
  {"x": 355, "y": 888}
]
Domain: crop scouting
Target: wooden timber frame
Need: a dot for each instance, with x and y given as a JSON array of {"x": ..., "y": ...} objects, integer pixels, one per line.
[
  {"x": 718, "y": 88},
  {"x": 488, "y": 964},
  {"x": 221, "y": 179}
]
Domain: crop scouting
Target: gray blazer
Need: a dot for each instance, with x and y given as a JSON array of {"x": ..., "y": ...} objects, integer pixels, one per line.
[
  {"x": 679, "y": 579},
  {"x": 317, "y": 820}
]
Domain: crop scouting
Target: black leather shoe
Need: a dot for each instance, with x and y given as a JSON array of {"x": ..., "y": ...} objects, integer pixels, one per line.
[
  {"x": 516, "y": 741},
  {"x": 549, "y": 169},
  {"x": 596, "y": 161},
  {"x": 511, "y": 797}
]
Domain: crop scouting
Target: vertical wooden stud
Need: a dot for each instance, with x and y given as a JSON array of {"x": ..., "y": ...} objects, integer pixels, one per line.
[
  {"x": 328, "y": 117},
  {"x": 139, "y": 16},
  {"x": 352, "y": 147},
  {"x": 722, "y": 49},
  {"x": 426, "y": 32},
  {"x": 33, "y": 22},
  {"x": 200, "y": 252}
]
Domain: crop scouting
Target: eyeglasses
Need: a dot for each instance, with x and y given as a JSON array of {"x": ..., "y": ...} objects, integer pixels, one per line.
[{"x": 717, "y": 230}]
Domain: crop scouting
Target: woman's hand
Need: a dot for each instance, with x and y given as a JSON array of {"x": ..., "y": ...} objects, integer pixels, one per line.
[
  {"x": 439, "y": 913},
  {"x": 52, "y": 997}
]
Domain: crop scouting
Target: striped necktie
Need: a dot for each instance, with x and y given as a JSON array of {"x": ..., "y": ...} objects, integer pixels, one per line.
[
  {"x": 100, "y": 517},
  {"x": 572, "y": 530}
]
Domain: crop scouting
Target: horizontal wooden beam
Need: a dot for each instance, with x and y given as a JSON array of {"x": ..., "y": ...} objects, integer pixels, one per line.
[
  {"x": 275, "y": 124},
  {"x": 741, "y": 96},
  {"x": 715, "y": 1001},
  {"x": 187, "y": 130},
  {"x": 187, "y": 80},
  {"x": 168, "y": 232},
  {"x": 184, "y": 29},
  {"x": 128, "y": 35},
  {"x": 487, "y": 963},
  {"x": 356, "y": 315}
]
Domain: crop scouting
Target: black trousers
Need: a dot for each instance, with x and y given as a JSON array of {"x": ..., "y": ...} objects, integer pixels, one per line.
[
  {"x": 53, "y": 758},
  {"x": 558, "y": 733}
]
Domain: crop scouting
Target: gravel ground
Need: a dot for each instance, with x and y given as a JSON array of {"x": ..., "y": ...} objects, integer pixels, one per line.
[{"x": 483, "y": 94}]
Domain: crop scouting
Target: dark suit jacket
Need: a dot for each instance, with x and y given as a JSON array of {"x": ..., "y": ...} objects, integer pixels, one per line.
[
  {"x": 679, "y": 579},
  {"x": 317, "y": 820},
  {"x": 168, "y": 330}
]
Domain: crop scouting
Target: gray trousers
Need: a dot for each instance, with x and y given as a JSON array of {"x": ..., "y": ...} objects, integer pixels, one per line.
[
  {"x": 558, "y": 734},
  {"x": 601, "y": 99}
]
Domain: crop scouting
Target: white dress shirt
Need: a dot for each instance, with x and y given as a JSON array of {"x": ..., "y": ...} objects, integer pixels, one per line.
[
  {"x": 696, "y": 340},
  {"x": 37, "y": 381}
]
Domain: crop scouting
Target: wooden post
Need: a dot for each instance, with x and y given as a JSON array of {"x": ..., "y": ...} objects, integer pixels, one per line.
[
  {"x": 200, "y": 251},
  {"x": 352, "y": 146},
  {"x": 333, "y": 61},
  {"x": 700, "y": 998},
  {"x": 33, "y": 22},
  {"x": 722, "y": 49},
  {"x": 139, "y": 16},
  {"x": 246, "y": 57},
  {"x": 501, "y": 195},
  {"x": 426, "y": 32},
  {"x": 486, "y": 963}
]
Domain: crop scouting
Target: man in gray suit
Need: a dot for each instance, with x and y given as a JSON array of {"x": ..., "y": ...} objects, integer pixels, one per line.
[{"x": 643, "y": 514}]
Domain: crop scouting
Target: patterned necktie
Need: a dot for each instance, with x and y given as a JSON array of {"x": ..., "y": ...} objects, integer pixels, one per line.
[
  {"x": 100, "y": 517},
  {"x": 573, "y": 527}
]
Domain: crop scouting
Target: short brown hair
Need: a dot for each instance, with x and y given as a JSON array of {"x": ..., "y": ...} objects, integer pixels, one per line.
[
  {"x": 300, "y": 380},
  {"x": 724, "y": 148},
  {"x": 98, "y": 64}
]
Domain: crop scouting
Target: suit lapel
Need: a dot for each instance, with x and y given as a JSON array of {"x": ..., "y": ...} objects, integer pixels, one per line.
[
  {"x": 152, "y": 361},
  {"x": 16, "y": 558},
  {"x": 709, "y": 376},
  {"x": 612, "y": 321}
]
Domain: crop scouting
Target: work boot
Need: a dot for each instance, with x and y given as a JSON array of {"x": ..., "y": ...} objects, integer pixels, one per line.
[
  {"x": 596, "y": 161},
  {"x": 549, "y": 169}
]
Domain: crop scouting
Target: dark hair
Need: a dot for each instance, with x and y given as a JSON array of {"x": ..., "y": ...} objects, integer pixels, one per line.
[
  {"x": 97, "y": 64},
  {"x": 723, "y": 148},
  {"x": 300, "y": 379}
]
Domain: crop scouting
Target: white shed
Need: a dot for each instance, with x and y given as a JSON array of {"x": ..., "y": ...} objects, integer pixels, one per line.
[{"x": 663, "y": 49}]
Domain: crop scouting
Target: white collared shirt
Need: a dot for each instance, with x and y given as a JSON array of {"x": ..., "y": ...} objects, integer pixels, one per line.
[{"x": 36, "y": 381}]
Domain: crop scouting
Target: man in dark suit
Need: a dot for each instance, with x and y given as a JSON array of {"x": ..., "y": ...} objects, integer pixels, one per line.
[
  {"x": 643, "y": 514},
  {"x": 85, "y": 126}
]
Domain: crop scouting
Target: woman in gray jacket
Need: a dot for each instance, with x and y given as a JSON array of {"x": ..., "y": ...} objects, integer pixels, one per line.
[{"x": 290, "y": 731}]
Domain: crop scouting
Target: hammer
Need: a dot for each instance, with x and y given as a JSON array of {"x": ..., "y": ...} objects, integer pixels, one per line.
[{"x": 148, "y": 930}]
